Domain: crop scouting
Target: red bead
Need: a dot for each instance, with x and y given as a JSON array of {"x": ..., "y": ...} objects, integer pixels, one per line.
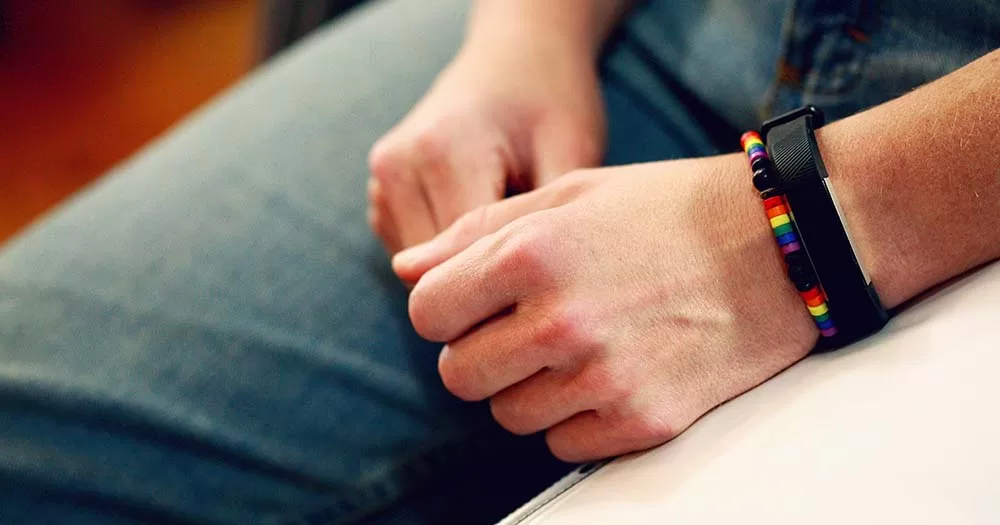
[
  {"x": 771, "y": 202},
  {"x": 812, "y": 294},
  {"x": 747, "y": 136},
  {"x": 815, "y": 301}
]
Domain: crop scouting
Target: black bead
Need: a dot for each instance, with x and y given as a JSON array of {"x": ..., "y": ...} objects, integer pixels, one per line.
[
  {"x": 764, "y": 180},
  {"x": 802, "y": 277},
  {"x": 761, "y": 163},
  {"x": 767, "y": 194},
  {"x": 797, "y": 258}
]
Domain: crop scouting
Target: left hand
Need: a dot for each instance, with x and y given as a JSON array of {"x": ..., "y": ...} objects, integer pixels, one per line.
[{"x": 613, "y": 307}]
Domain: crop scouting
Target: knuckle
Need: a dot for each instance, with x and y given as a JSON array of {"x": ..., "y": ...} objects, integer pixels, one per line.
[
  {"x": 421, "y": 309},
  {"x": 566, "y": 328},
  {"x": 385, "y": 160},
  {"x": 432, "y": 149},
  {"x": 455, "y": 377},
  {"x": 559, "y": 329},
  {"x": 609, "y": 383},
  {"x": 507, "y": 413},
  {"x": 561, "y": 448},
  {"x": 524, "y": 250},
  {"x": 649, "y": 426}
]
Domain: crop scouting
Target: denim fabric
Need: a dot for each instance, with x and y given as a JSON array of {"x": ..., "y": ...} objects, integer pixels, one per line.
[
  {"x": 847, "y": 55},
  {"x": 748, "y": 60},
  {"x": 212, "y": 335}
]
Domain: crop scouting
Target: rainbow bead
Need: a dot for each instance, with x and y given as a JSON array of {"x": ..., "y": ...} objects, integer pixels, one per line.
[
  {"x": 749, "y": 138},
  {"x": 783, "y": 227},
  {"x": 784, "y": 232}
]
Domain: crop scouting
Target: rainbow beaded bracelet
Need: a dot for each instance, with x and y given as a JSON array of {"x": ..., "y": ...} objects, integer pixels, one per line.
[{"x": 797, "y": 264}]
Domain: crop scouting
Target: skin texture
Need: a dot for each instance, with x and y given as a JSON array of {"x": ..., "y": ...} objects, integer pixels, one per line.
[
  {"x": 619, "y": 313},
  {"x": 518, "y": 107},
  {"x": 615, "y": 306}
]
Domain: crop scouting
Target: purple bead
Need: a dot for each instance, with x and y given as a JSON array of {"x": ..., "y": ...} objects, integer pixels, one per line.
[{"x": 791, "y": 247}]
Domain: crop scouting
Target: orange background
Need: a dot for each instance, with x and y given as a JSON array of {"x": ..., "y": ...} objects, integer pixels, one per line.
[{"x": 84, "y": 84}]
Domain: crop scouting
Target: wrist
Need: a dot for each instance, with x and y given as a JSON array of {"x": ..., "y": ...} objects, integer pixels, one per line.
[
  {"x": 756, "y": 261},
  {"x": 908, "y": 224}
]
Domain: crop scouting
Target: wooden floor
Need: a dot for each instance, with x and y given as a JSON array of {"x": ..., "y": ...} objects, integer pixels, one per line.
[{"x": 84, "y": 84}]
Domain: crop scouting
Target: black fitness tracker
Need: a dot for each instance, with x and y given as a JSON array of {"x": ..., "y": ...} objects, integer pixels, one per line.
[{"x": 802, "y": 178}]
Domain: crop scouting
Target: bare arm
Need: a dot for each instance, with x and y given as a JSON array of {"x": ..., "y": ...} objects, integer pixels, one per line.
[
  {"x": 919, "y": 178},
  {"x": 615, "y": 306}
]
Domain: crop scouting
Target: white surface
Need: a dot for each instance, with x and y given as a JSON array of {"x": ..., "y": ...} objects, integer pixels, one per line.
[{"x": 900, "y": 428}]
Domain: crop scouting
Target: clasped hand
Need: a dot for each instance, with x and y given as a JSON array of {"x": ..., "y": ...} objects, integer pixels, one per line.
[{"x": 612, "y": 307}]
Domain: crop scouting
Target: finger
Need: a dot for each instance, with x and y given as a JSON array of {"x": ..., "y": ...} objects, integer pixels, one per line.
[
  {"x": 410, "y": 211},
  {"x": 379, "y": 219},
  {"x": 457, "y": 185},
  {"x": 505, "y": 350},
  {"x": 412, "y": 263},
  {"x": 558, "y": 153},
  {"x": 595, "y": 435},
  {"x": 405, "y": 200},
  {"x": 543, "y": 400},
  {"x": 490, "y": 276}
]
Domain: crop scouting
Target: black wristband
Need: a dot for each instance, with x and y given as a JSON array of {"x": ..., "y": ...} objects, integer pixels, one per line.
[{"x": 802, "y": 178}]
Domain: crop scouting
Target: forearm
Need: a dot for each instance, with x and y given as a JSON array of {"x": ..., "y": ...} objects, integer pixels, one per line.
[
  {"x": 577, "y": 26},
  {"x": 919, "y": 180}
]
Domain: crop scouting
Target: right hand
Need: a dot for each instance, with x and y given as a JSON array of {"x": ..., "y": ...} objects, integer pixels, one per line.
[
  {"x": 611, "y": 308},
  {"x": 500, "y": 118}
]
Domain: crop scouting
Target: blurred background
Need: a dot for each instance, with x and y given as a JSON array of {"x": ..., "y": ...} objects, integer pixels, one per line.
[{"x": 85, "y": 83}]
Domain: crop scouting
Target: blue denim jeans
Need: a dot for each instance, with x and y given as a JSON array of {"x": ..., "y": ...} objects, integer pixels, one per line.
[{"x": 212, "y": 335}]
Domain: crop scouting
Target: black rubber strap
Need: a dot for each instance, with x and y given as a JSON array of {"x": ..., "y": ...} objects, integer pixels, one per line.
[{"x": 854, "y": 304}]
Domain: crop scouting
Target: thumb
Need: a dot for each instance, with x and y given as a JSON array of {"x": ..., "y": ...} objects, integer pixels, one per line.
[{"x": 412, "y": 263}]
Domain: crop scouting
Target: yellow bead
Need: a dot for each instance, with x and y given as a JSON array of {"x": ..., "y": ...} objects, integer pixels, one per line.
[
  {"x": 779, "y": 220},
  {"x": 817, "y": 311},
  {"x": 751, "y": 143}
]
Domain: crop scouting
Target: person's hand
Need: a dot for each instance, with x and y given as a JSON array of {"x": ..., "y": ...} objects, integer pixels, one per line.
[
  {"x": 499, "y": 118},
  {"x": 613, "y": 307}
]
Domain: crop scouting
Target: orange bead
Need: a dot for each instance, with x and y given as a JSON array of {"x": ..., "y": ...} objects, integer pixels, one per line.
[
  {"x": 777, "y": 210},
  {"x": 815, "y": 301}
]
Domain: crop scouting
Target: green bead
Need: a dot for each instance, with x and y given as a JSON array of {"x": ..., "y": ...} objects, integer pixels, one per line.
[{"x": 783, "y": 229}]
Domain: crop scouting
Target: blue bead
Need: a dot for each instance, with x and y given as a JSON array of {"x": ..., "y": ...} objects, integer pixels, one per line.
[
  {"x": 823, "y": 325},
  {"x": 787, "y": 238}
]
